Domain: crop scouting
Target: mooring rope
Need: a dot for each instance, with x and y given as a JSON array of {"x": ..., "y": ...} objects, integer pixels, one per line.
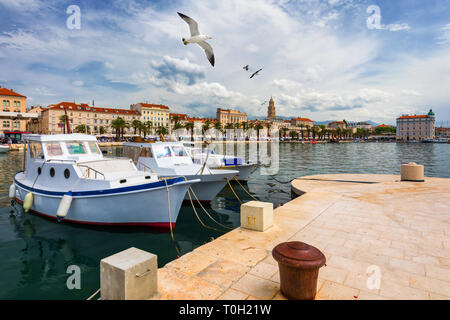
[
  {"x": 94, "y": 294},
  {"x": 207, "y": 213},
  {"x": 282, "y": 182},
  {"x": 170, "y": 218},
  {"x": 245, "y": 189},
  {"x": 229, "y": 184},
  {"x": 197, "y": 215}
]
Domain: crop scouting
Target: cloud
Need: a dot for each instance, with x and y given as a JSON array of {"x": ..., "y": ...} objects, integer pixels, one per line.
[
  {"x": 445, "y": 37},
  {"x": 178, "y": 70}
]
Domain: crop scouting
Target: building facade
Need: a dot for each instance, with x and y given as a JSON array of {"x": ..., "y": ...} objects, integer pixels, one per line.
[
  {"x": 82, "y": 114},
  {"x": 225, "y": 116},
  {"x": 11, "y": 101},
  {"x": 156, "y": 113},
  {"x": 336, "y": 125},
  {"x": 34, "y": 125},
  {"x": 298, "y": 122},
  {"x": 416, "y": 127}
]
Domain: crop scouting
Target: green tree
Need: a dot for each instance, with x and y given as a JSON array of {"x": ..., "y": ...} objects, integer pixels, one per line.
[
  {"x": 63, "y": 121},
  {"x": 82, "y": 129},
  {"x": 137, "y": 125},
  {"x": 119, "y": 124},
  {"x": 190, "y": 127},
  {"x": 102, "y": 130},
  {"x": 162, "y": 130}
]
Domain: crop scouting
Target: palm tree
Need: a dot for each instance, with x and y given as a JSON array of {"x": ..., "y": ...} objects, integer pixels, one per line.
[
  {"x": 162, "y": 131},
  {"x": 293, "y": 134},
  {"x": 206, "y": 126},
  {"x": 284, "y": 130},
  {"x": 63, "y": 121},
  {"x": 302, "y": 126},
  {"x": 102, "y": 130},
  {"x": 118, "y": 125},
  {"x": 82, "y": 129},
  {"x": 258, "y": 127},
  {"x": 229, "y": 126},
  {"x": 244, "y": 125},
  {"x": 136, "y": 124},
  {"x": 190, "y": 127},
  {"x": 218, "y": 125}
]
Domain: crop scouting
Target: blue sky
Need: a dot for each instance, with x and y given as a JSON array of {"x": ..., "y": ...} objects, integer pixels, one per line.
[{"x": 319, "y": 58}]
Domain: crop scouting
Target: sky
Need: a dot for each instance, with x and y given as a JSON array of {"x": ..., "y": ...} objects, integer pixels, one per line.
[{"x": 356, "y": 60}]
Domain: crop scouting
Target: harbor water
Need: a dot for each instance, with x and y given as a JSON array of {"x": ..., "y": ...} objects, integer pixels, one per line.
[{"x": 36, "y": 252}]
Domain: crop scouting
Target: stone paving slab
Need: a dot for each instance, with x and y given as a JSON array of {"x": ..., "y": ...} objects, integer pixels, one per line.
[{"x": 399, "y": 229}]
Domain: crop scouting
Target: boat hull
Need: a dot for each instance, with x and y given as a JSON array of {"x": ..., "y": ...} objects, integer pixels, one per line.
[
  {"x": 4, "y": 149},
  {"x": 244, "y": 170},
  {"x": 209, "y": 185},
  {"x": 132, "y": 207}
]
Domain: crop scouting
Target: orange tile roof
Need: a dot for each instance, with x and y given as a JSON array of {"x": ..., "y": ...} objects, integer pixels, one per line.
[
  {"x": 383, "y": 126},
  {"x": 86, "y": 107},
  {"x": 413, "y": 117},
  {"x": 8, "y": 92},
  {"x": 302, "y": 119},
  {"x": 181, "y": 116},
  {"x": 149, "y": 105},
  {"x": 196, "y": 119}
]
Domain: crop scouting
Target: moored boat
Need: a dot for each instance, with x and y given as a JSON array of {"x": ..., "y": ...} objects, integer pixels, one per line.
[
  {"x": 4, "y": 148},
  {"x": 67, "y": 178},
  {"x": 218, "y": 161},
  {"x": 170, "y": 159}
]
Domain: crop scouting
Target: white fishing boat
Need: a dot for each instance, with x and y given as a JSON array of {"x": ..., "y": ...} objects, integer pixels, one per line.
[
  {"x": 67, "y": 178},
  {"x": 219, "y": 161},
  {"x": 4, "y": 148},
  {"x": 170, "y": 159}
]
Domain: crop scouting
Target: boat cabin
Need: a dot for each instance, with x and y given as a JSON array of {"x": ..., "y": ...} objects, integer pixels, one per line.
[{"x": 61, "y": 160}]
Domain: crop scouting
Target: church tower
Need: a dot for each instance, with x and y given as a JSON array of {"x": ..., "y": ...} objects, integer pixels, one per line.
[{"x": 271, "y": 115}]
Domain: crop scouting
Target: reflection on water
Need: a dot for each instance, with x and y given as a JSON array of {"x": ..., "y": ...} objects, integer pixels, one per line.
[{"x": 35, "y": 252}]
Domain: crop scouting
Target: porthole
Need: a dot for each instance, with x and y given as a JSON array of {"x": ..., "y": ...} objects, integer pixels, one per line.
[
  {"x": 39, "y": 170},
  {"x": 67, "y": 173},
  {"x": 52, "y": 172}
]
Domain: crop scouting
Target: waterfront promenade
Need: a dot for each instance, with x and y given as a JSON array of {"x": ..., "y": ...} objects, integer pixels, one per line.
[{"x": 357, "y": 220}]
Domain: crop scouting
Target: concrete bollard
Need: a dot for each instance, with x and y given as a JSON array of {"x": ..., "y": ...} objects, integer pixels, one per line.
[
  {"x": 257, "y": 215},
  {"x": 412, "y": 172},
  {"x": 129, "y": 275}
]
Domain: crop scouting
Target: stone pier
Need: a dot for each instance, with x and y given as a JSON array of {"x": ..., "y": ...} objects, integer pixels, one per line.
[{"x": 382, "y": 238}]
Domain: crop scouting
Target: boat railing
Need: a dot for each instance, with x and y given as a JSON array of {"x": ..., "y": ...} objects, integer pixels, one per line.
[
  {"x": 140, "y": 164},
  {"x": 89, "y": 169}
]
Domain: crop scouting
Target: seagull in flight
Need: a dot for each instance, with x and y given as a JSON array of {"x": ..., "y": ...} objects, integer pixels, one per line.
[
  {"x": 246, "y": 67},
  {"x": 255, "y": 73},
  {"x": 198, "y": 38}
]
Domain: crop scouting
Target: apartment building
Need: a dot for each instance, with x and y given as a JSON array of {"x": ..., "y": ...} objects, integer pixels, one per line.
[
  {"x": 156, "y": 113},
  {"x": 225, "y": 116},
  {"x": 97, "y": 119},
  {"x": 416, "y": 127},
  {"x": 11, "y": 101}
]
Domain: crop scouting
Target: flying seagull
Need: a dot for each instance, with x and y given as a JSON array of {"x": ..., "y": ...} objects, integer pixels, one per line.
[
  {"x": 255, "y": 73},
  {"x": 197, "y": 38},
  {"x": 246, "y": 67},
  {"x": 264, "y": 103}
]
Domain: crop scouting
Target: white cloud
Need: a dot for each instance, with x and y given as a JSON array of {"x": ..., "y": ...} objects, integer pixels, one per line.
[{"x": 445, "y": 37}]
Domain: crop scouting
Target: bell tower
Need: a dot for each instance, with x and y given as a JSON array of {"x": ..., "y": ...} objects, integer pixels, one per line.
[{"x": 271, "y": 115}]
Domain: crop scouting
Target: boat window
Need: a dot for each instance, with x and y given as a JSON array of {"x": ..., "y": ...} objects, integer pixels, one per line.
[
  {"x": 179, "y": 151},
  {"x": 94, "y": 147},
  {"x": 146, "y": 153},
  {"x": 162, "y": 151},
  {"x": 53, "y": 149},
  {"x": 75, "y": 148},
  {"x": 36, "y": 150}
]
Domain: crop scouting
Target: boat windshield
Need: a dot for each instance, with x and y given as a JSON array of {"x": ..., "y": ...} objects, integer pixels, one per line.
[
  {"x": 76, "y": 148},
  {"x": 53, "y": 149},
  {"x": 162, "y": 152},
  {"x": 179, "y": 151}
]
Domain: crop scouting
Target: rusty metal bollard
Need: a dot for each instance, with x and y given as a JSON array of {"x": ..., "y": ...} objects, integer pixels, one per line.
[{"x": 299, "y": 265}]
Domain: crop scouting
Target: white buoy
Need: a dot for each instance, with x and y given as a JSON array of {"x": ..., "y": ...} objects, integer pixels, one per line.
[
  {"x": 64, "y": 206},
  {"x": 12, "y": 191},
  {"x": 28, "y": 201}
]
